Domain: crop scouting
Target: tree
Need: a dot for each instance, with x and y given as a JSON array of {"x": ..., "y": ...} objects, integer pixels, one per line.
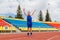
[
  {"x": 48, "y": 17},
  {"x": 40, "y": 16},
  {"x": 19, "y": 15},
  {"x": 10, "y": 17}
]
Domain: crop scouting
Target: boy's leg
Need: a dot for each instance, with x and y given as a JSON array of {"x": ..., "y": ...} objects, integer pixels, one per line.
[
  {"x": 28, "y": 31},
  {"x": 31, "y": 29}
]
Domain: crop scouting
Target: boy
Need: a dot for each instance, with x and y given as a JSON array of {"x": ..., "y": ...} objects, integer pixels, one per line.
[{"x": 29, "y": 22}]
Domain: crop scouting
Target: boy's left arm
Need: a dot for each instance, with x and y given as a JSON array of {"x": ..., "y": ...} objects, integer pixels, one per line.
[{"x": 33, "y": 12}]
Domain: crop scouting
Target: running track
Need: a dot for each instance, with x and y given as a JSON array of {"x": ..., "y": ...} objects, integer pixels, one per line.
[{"x": 35, "y": 36}]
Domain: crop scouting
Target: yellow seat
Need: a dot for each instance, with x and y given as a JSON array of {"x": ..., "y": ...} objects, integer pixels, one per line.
[
  {"x": 1, "y": 28},
  {"x": 52, "y": 29},
  {"x": 39, "y": 28}
]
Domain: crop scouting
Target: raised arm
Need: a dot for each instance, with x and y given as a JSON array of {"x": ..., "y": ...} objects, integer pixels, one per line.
[
  {"x": 33, "y": 12},
  {"x": 24, "y": 11}
]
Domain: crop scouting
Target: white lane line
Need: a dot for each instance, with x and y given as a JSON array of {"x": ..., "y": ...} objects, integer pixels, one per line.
[
  {"x": 52, "y": 37},
  {"x": 18, "y": 38}
]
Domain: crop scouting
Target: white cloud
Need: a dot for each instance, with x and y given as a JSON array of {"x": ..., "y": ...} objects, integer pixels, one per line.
[{"x": 8, "y": 6}]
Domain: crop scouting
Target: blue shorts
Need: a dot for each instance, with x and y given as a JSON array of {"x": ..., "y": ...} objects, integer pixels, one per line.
[{"x": 29, "y": 25}]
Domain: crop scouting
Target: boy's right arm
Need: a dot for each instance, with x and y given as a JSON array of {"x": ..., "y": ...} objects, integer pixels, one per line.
[{"x": 24, "y": 11}]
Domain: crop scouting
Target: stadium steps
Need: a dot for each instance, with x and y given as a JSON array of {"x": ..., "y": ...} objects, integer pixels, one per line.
[
  {"x": 36, "y": 25},
  {"x": 17, "y": 30}
]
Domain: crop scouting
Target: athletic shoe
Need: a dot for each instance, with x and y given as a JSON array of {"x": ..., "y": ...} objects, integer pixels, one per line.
[{"x": 28, "y": 34}]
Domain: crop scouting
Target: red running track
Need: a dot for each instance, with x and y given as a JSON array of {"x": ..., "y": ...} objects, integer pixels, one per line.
[{"x": 35, "y": 36}]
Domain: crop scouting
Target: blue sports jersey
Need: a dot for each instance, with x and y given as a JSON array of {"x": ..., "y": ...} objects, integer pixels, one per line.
[{"x": 29, "y": 20}]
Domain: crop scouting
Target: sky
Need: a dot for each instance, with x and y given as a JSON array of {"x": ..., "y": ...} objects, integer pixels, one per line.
[{"x": 9, "y": 7}]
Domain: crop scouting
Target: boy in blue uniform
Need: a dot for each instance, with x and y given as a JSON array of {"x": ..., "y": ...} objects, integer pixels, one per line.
[{"x": 29, "y": 22}]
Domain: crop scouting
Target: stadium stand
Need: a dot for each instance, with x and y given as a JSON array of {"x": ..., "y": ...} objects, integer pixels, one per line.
[{"x": 22, "y": 25}]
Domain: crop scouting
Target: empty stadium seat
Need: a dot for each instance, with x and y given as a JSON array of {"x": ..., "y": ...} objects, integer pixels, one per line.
[
  {"x": 4, "y": 26},
  {"x": 23, "y": 24}
]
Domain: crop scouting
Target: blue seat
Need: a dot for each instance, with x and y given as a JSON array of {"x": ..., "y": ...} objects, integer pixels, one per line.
[
  {"x": 16, "y": 23},
  {"x": 41, "y": 25}
]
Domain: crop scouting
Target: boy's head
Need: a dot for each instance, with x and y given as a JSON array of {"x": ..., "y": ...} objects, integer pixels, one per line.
[{"x": 28, "y": 12}]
